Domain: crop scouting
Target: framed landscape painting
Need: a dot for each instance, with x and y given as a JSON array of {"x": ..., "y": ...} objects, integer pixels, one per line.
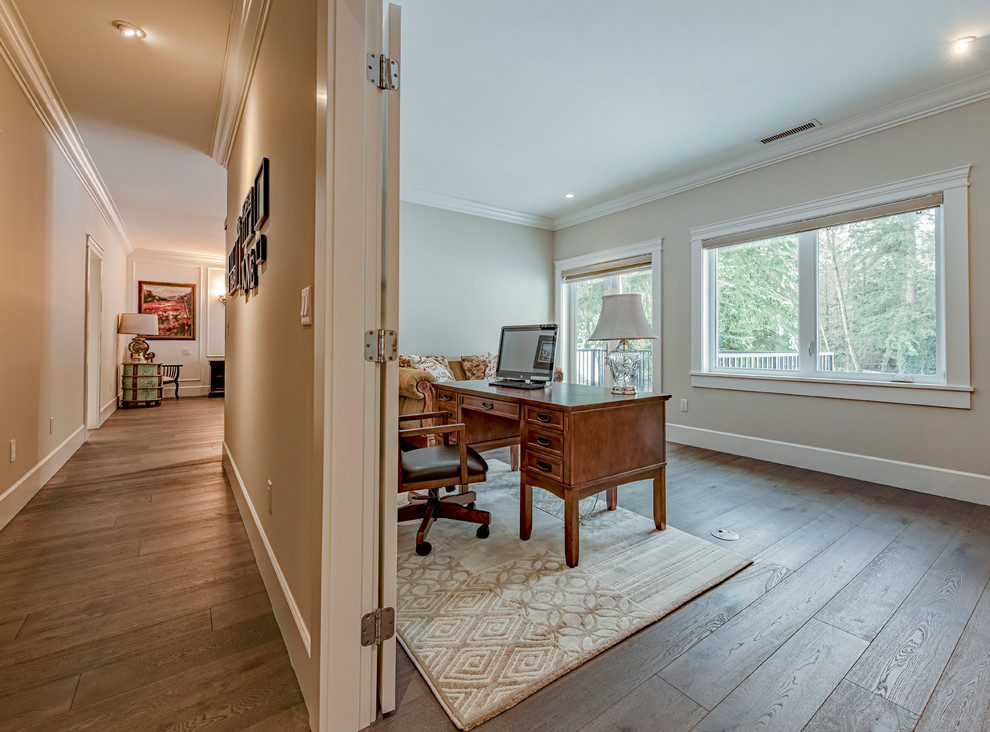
[{"x": 175, "y": 306}]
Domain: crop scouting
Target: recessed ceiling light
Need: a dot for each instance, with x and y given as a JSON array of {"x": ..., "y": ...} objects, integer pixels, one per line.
[
  {"x": 129, "y": 30},
  {"x": 961, "y": 45},
  {"x": 568, "y": 195}
]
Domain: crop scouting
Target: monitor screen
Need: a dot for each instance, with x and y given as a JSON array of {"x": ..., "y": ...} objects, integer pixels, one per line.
[{"x": 527, "y": 352}]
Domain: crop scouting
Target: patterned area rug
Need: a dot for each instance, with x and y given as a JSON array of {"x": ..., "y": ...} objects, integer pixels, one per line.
[{"x": 490, "y": 621}]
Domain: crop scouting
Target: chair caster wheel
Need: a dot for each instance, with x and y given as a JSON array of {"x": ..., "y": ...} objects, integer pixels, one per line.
[
  {"x": 424, "y": 548},
  {"x": 482, "y": 532},
  {"x": 470, "y": 505}
]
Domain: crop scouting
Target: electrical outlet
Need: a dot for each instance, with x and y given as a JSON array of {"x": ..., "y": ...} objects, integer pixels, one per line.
[
  {"x": 51, "y": 425},
  {"x": 269, "y": 498},
  {"x": 13, "y": 450},
  {"x": 186, "y": 351},
  {"x": 683, "y": 405}
]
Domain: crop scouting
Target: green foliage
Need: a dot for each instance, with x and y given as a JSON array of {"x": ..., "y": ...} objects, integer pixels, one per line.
[
  {"x": 879, "y": 274},
  {"x": 758, "y": 296}
]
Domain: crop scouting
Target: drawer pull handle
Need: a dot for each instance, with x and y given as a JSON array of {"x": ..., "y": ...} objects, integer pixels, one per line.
[
  {"x": 487, "y": 405},
  {"x": 545, "y": 441},
  {"x": 545, "y": 467},
  {"x": 543, "y": 417},
  {"x": 446, "y": 397}
]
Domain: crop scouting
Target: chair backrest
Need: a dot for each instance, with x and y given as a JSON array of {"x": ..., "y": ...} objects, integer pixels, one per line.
[{"x": 171, "y": 371}]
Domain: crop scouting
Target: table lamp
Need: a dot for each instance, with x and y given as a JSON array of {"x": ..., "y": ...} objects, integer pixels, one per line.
[
  {"x": 138, "y": 325},
  {"x": 623, "y": 320}
]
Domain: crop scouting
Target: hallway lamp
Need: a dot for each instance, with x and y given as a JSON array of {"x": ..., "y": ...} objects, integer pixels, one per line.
[
  {"x": 623, "y": 320},
  {"x": 138, "y": 325}
]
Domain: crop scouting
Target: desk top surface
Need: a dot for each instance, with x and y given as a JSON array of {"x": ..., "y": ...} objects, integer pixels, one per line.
[{"x": 561, "y": 395}]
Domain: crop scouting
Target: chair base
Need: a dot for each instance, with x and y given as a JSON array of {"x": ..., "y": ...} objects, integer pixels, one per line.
[{"x": 434, "y": 507}]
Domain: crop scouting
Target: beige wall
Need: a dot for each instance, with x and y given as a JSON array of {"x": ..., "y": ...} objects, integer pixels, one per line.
[
  {"x": 192, "y": 355},
  {"x": 944, "y": 438},
  {"x": 47, "y": 215},
  {"x": 461, "y": 278},
  {"x": 268, "y": 405}
]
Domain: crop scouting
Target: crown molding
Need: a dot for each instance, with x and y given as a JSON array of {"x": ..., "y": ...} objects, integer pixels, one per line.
[
  {"x": 21, "y": 56},
  {"x": 474, "y": 208},
  {"x": 247, "y": 28},
  {"x": 169, "y": 257},
  {"x": 951, "y": 96}
]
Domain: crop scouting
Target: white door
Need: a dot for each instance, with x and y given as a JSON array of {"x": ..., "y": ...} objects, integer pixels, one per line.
[
  {"x": 357, "y": 274},
  {"x": 94, "y": 320}
]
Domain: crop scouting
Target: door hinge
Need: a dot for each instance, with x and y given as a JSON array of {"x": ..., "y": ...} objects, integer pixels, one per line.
[
  {"x": 381, "y": 345},
  {"x": 378, "y": 626},
  {"x": 383, "y": 72}
]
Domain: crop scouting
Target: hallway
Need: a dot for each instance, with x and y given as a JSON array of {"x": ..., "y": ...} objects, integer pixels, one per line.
[{"x": 129, "y": 595}]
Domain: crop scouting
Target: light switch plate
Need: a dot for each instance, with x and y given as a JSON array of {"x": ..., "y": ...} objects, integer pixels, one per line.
[
  {"x": 306, "y": 308},
  {"x": 186, "y": 351}
]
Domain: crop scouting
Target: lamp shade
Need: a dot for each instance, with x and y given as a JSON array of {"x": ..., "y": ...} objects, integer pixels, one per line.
[
  {"x": 138, "y": 324},
  {"x": 622, "y": 318}
]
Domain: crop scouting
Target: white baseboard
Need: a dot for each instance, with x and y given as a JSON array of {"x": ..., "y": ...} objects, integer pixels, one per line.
[
  {"x": 107, "y": 409},
  {"x": 971, "y": 487},
  {"x": 291, "y": 622},
  {"x": 17, "y": 496}
]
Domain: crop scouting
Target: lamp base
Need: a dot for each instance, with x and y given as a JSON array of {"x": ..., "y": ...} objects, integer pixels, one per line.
[
  {"x": 624, "y": 363},
  {"x": 138, "y": 348}
]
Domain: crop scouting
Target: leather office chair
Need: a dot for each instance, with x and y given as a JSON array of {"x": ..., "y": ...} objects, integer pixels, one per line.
[{"x": 442, "y": 466}]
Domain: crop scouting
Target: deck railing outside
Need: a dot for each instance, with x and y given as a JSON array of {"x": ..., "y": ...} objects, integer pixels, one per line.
[
  {"x": 770, "y": 361},
  {"x": 591, "y": 368}
]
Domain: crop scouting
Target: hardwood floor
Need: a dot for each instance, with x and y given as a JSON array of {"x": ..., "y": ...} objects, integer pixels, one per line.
[
  {"x": 129, "y": 596},
  {"x": 129, "y": 600},
  {"x": 867, "y": 608}
]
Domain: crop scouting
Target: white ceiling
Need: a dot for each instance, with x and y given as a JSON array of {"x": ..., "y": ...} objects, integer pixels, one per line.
[
  {"x": 145, "y": 109},
  {"x": 511, "y": 104},
  {"x": 515, "y": 103}
]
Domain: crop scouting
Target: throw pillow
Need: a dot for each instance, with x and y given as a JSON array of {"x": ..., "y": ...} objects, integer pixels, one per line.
[
  {"x": 406, "y": 360},
  {"x": 474, "y": 367},
  {"x": 492, "y": 363},
  {"x": 436, "y": 366}
]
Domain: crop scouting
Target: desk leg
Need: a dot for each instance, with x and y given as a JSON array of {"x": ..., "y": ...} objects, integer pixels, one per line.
[
  {"x": 513, "y": 458},
  {"x": 525, "y": 509},
  {"x": 612, "y": 497},
  {"x": 571, "y": 525},
  {"x": 660, "y": 498}
]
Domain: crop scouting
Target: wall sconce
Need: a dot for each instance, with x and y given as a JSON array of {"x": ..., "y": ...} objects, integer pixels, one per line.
[{"x": 218, "y": 293}]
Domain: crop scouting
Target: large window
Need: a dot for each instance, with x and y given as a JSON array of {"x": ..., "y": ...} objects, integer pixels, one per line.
[
  {"x": 871, "y": 301},
  {"x": 582, "y": 281},
  {"x": 870, "y": 288},
  {"x": 585, "y": 295}
]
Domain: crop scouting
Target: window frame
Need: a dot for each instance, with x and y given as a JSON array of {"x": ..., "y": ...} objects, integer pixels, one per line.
[
  {"x": 600, "y": 260},
  {"x": 952, "y": 302}
]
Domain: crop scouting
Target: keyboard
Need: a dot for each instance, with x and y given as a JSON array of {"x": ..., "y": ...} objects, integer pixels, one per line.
[{"x": 513, "y": 384}]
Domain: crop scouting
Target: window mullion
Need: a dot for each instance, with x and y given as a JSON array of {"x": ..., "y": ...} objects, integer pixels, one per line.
[{"x": 808, "y": 303}]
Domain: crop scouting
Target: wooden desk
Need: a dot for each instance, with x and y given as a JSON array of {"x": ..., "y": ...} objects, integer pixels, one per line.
[{"x": 575, "y": 441}]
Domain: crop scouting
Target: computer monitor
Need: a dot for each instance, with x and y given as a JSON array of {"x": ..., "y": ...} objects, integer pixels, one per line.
[{"x": 527, "y": 352}]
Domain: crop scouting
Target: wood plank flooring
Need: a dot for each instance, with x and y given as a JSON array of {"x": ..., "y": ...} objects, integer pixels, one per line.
[
  {"x": 129, "y": 600},
  {"x": 867, "y": 608},
  {"x": 129, "y": 595}
]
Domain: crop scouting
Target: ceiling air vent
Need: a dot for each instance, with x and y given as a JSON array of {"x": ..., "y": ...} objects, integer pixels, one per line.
[{"x": 809, "y": 125}]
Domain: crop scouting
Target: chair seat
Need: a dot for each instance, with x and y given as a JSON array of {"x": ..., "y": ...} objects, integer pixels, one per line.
[{"x": 437, "y": 463}]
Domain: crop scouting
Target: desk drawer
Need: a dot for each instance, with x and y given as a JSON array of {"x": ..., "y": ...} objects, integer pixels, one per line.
[
  {"x": 491, "y": 406},
  {"x": 447, "y": 401},
  {"x": 542, "y": 465},
  {"x": 546, "y": 441},
  {"x": 542, "y": 417}
]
